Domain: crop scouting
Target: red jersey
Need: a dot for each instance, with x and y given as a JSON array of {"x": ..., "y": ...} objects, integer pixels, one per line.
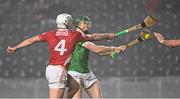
[{"x": 61, "y": 44}]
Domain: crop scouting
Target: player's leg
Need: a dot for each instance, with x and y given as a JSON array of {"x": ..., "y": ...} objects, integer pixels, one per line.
[
  {"x": 73, "y": 86},
  {"x": 56, "y": 77},
  {"x": 92, "y": 86},
  {"x": 73, "y": 83},
  {"x": 78, "y": 94},
  {"x": 94, "y": 91},
  {"x": 56, "y": 93}
]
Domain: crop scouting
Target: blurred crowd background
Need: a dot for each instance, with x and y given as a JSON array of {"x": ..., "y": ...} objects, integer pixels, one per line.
[{"x": 146, "y": 70}]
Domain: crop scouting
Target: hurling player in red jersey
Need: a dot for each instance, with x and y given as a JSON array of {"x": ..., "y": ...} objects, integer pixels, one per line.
[{"x": 61, "y": 44}]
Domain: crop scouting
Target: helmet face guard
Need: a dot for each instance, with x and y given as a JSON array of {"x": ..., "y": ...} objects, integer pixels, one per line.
[{"x": 83, "y": 21}]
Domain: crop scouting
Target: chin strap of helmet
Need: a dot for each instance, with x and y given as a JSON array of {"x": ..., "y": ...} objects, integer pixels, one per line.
[
  {"x": 66, "y": 26},
  {"x": 85, "y": 32}
]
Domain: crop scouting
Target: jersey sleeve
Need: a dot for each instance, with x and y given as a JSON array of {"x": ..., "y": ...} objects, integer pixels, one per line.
[
  {"x": 81, "y": 37},
  {"x": 43, "y": 36}
]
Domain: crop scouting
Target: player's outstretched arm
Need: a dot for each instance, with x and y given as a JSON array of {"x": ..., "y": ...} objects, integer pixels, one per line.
[
  {"x": 169, "y": 43},
  {"x": 100, "y": 36},
  {"x": 24, "y": 43},
  {"x": 103, "y": 50}
]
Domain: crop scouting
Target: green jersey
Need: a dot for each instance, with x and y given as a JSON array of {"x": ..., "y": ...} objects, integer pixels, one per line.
[{"x": 79, "y": 60}]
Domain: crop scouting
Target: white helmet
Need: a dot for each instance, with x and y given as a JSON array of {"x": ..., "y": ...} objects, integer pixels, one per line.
[{"x": 64, "y": 20}]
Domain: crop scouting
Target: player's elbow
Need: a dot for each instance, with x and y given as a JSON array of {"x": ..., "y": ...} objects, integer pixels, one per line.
[
  {"x": 98, "y": 52},
  {"x": 32, "y": 40},
  {"x": 102, "y": 54},
  {"x": 94, "y": 48},
  {"x": 29, "y": 41}
]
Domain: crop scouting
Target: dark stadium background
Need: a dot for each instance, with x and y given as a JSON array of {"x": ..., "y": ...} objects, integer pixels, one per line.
[{"x": 146, "y": 70}]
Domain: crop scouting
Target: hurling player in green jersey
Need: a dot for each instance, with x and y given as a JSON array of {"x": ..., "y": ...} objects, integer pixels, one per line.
[{"x": 80, "y": 73}]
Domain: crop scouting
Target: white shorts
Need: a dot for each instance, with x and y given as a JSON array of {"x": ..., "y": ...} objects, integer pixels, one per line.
[
  {"x": 56, "y": 76},
  {"x": 84, "y": 79}
]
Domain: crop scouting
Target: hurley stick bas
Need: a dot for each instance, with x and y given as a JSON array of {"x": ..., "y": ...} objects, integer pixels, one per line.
[{"x": 149, "y": 21}]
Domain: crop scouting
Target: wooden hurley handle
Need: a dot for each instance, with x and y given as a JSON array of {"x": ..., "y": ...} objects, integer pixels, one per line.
[{"x": 148, "y": 22}]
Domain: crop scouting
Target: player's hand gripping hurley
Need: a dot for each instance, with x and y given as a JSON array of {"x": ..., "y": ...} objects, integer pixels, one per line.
[{"x": 144, "y": 35}]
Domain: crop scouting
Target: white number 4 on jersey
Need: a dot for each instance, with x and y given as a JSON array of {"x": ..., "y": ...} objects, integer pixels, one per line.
[{"x": 61, "y": 47}]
